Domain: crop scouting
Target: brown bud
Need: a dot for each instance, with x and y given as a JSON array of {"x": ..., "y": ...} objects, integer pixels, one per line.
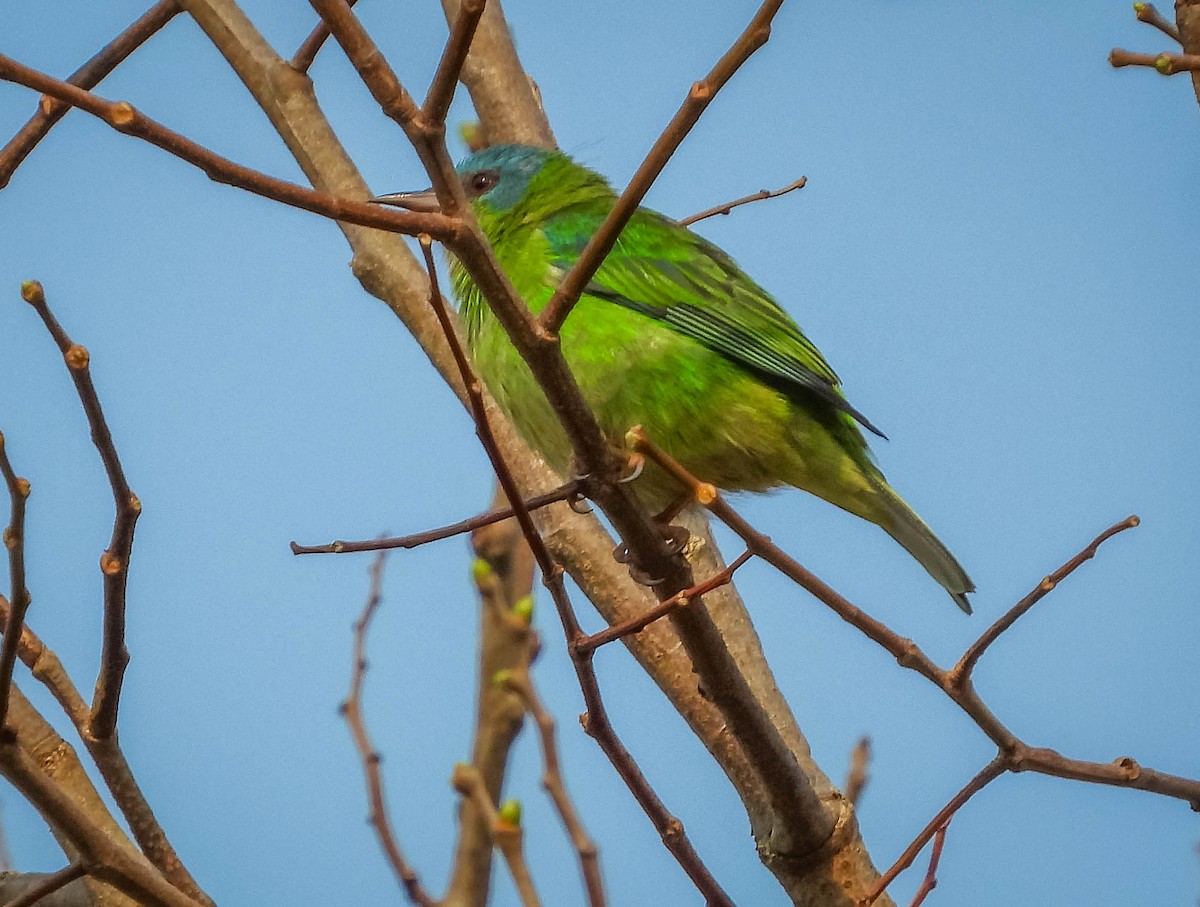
[
  {"x": 77, "y": 357},
  {"x": 122, "y": 114},
  {"x": 110, "y": 564}
]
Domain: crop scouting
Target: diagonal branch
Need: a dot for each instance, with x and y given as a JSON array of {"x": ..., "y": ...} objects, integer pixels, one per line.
[
  {"x": 123, "y": 117},
  {"x": 699, "y": 97},
  {"x": 1148, "y": 13},
  {"x": 759, "y": 196},
  {"x": 51, "y": 110},
  {"x": 441, "y": 89},
  {"x": 568, "y": 491},
  {"x": 306, "y": 54}
]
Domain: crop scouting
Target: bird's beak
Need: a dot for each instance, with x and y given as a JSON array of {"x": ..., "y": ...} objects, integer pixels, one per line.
[{"x": 424, "y": 201}]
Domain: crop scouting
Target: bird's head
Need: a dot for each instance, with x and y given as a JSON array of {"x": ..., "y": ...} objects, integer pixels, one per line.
[{"x": 500, "y": 178}]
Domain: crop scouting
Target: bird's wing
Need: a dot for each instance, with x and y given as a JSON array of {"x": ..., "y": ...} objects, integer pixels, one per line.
[{"x": 668, "y": 273}]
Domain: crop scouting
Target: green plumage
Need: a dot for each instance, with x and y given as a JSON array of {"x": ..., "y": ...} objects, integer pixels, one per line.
[{"x": 671, "y": 335}]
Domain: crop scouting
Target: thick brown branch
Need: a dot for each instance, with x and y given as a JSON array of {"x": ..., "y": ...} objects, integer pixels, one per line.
[
  {"x": 699, "y": 97},
  {"x": 51, "y": 110},
  {"x": 102, "y": 857},
  {"x": 759, "y": 196},
  {"x": 124, "y": 118}
]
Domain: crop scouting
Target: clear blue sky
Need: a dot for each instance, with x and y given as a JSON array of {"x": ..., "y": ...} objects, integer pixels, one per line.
[{"x": 996, "y": 250}]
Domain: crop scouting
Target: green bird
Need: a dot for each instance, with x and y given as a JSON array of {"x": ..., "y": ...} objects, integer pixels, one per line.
[{"x": 671, "y": 335}]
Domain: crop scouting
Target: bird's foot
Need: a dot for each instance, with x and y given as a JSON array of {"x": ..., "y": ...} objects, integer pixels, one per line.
[{"x": 676, "y": 538}]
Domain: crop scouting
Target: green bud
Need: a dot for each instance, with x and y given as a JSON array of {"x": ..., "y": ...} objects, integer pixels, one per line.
[
  {"x": 500, "y": 678},
  {"x": 510, "y": 813},
  {"x": 524, "y": 608},
  {"x": 480, "y": 569}
]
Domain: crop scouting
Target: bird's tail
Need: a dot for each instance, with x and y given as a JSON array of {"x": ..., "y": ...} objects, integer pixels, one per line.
[{"x": 903, "y": 524}]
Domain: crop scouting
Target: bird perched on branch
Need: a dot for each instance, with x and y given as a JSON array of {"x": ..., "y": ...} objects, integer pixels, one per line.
[{"x": 671, "y": 335}]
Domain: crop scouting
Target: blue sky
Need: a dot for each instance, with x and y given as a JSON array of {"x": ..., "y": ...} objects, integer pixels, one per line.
[{"x": 996, "y": 250}]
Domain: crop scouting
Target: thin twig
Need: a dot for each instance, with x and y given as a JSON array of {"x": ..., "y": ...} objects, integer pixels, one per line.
[
  {"x": 352, "y": 711},
  {"x": 445, "y": 79},
  {"x": 123, "y": 117},
  {"x": 759, "y": 196},
  {"x": 935, "y": 857},
  {"x": 1166, "y": 64},
  {"x": 114, "y": 563},
  {"x": 51, "y": 110},
  {"x": 857, "y": 777},
  {"x": 1148, "y": 13},
  {"x": 307, "y": 52},
  {"x": 555, "y": 785},
  {"x": 986, "y": 776},
  {"x": 506, "y": 835},
  {"x": 679, "y": 600},
  {"x": 699, "y": 97},
  {"x": 14, "y": 541},
  {"x": 565, "y": 492},
  {"x": 961, "y": 671},
  {"x": 49, "y": 885}
]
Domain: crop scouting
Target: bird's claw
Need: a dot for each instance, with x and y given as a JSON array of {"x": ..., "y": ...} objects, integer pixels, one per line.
[
  {"x": 579, "y": 504},
  {"x": 636, "y": 464},
  {"x": 637, "y": 574}
]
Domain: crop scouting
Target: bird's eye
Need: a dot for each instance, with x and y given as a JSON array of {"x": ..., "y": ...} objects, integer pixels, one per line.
[{"x": 481, "y": 181}]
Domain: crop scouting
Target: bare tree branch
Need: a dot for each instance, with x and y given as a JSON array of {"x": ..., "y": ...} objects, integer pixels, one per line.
[
  {"x": 445, "y": 79},
  {"x": 353, "y": 713},
  {"x": 14, "y": 542},
  {"x": 1148, "y": 13},
  {"x": 1166, "y": 64},
  {"x": 566, "y": 492},
  {"x": 51, "y": 110},
  {"x": 124, "y": 118},
  {"x": 555, "y": 785},
  {"x": 306, "y": 54},
  {"x": 506, "y": 833},
  {"x": 759, "y": 196},
  {"x": 114, "y": 563},
  {"x": 49, "y": 885},
  {"x": 699, "y": 97}
]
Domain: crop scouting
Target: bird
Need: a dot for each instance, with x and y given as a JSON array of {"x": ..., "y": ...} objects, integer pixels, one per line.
[{"x": 670, "y": 334}]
